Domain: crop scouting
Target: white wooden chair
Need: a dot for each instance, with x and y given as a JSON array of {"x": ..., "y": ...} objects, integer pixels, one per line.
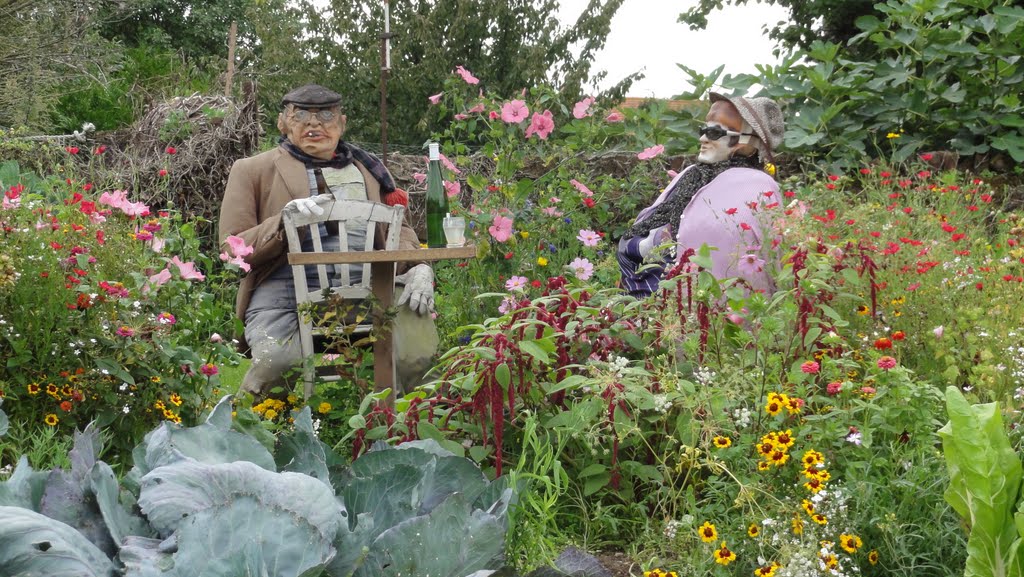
[{"x": 383, "y": 228}]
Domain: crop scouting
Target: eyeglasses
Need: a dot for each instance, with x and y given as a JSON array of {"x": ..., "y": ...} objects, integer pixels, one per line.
[
  {"x": 716, "y": 132},
  {"x": 302, "y": 115}
]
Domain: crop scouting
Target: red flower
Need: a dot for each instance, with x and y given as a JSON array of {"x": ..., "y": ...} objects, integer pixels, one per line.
[
  {"x": 509, "y": 255},
  {"x": 731, "y": 210},
  {"x": 924, "y": 174},
  {"x": 170, "y": 150},
  {"x": 865, "y": 171},
  {"x": 833, "y": 177},
  {"x": 100, "y": 149},
  {"x": 789, "y": 194},
  {"x": 588, "y": 202},
  {"x": 927, "y": 156},
  {"x": 883, "y": 343},
  {"x": 71, "y": 149},
  {"x": 830, "y": 186},
  {"x": 163, "y": 172},
  {"x": 65, "y": 406},
  {"x": 899, "y": 336},
  {"x": 885, "y": 174},
  {"x": 536, "y": 284}
]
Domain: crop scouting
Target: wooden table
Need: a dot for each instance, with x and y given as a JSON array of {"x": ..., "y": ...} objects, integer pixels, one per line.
[{"x": 382, "y": 283}]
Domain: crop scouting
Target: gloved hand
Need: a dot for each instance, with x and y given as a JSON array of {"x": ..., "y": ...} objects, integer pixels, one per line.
[
  {"x": 305, "y": 207},
  {"x": 419, "y": 289},
  {"x": 656, "y": 237}
]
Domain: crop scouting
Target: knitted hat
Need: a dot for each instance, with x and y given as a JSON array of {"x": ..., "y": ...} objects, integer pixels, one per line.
[
  {"x": 762, "y": 114},
  {"x": 312, "y": 96}
]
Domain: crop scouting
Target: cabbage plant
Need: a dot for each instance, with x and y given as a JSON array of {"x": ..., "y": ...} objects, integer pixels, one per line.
[{"x": 212, "y": 501}]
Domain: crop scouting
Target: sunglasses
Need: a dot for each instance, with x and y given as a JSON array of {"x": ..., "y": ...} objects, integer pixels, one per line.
[
  {"x": 716, "y": 132},
  {"x": 303, "y": 115}
]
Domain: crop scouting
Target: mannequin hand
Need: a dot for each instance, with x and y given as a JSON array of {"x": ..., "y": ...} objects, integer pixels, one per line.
[
  {"x": 419, "y": 289},
  {"x": 305, "y": 207},
  {"x": 655, "y": 238}
]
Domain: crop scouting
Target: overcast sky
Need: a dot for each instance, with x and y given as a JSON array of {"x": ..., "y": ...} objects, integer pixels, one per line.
[{"x": 645, "y": 36}]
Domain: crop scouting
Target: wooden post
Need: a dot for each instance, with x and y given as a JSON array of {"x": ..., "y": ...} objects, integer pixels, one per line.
[
  {"x": 385, "y": 70},
  {"x": 231, "y": 58}
]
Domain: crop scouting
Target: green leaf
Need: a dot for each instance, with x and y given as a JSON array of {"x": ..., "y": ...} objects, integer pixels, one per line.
[
  {"x": 569, "y": 382},
  {"x": 300, "y": 451},
  {"x": 33, "y": 544},
  {"x": 985, "y": 480},
  {"x": 503, "y": 375},
  {"x": 24, "y": 488},
  {"x": 592, "y": 469},
  {"x": 114, "y": 369},
  {"x": 595, "y": 483},
  {"x": 534, "y": 349}
]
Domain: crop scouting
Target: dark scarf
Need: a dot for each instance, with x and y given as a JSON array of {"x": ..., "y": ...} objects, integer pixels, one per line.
[
  {"x": 693, "y": 180},
  {"x": 343, "y": 156}
]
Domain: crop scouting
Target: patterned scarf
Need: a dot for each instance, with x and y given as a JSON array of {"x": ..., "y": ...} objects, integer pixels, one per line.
[
  {"x": 343, "y": 156},
  {"x": 693, "y": 180}
]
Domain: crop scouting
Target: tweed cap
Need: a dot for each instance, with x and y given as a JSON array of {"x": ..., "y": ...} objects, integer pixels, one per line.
[
  {"x": 762, "y": 114},
  {"x": 312, "y": 96}
]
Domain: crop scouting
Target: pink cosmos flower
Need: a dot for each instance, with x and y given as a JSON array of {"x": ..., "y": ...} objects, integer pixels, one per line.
[
  {"x": 582, "y": 268},
  {"x": 651, "y": 152},
  {"x": 419, "y": 177},
  {"x": 581, "y": 187},
  {"x": 516, "y": 283},
  {"x": 466, "y": 75},
  {"x": 452, "y": 189},
  {"x": 886, "y": 363},
  {"x": 501, "y": 230},
  {"x": 541, "y": 125},
  {"x": 187, "y": 270},
  {"x": 514, "y": 111},
  {"x": 750, "y": 264},
  {"x": 551, "y": 211},
  {"x": 208, "y": 369},
  {"x": 938, "y": 331},
  {"x": 588, "y": 237},
  {"x": 615, "y": 116},
  {"x": 810, "y": 367},
  {"x": 450, "y": 165},
  {"x": 507, "y": 304},
  {"x": 125, "y": 332},
  {"x": 582, "y": 108},
  {"x": 166, "y": 318},
  {"x": 435, "y": 99}
]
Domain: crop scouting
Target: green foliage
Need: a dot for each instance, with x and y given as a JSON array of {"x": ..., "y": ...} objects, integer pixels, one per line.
[
  {"x": 939, "y": 77},
  {"x": 985, "y": 480},
  {"x": 212, "y": 501},
  {"x": 512, "y": 45}
]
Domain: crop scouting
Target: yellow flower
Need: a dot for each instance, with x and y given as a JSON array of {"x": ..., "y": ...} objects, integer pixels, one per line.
[
  {"x": 892, "y": 135},
  {"x": 159, "y": 405},
  {"x": 769, "y": 168},
  {"x": 808, "y": 506},
  {"x": 763, "y": 466},
  {"x": 850, "y": 543},
  {"x": 863, "y": 310},
  {"x": 830, "y": 560},
  {"x": 724, "y": 556},
  {"x": 722, "y": 442},
  {"x": 798, "y": 526},
  {"x": 51, "y": 420},
  {"x": 324, "y": 408},
  {"x": 270, "y": 414},
  {"x": 542, "y": 261},
  {"x": 873, "y": 557},
  {"x": 154, "y": 379},
  {"x": 753, "y": 530},
  {"x": 814, "y": 485},
  {"x": 169, "y": 415},
  {"x": 819, "y": 519},
  {"x": 812, "y": 458},
  {"x": 524, "y": 233},
  {"x": 707, "y": 532},
  {"x": 784, "y": 439},
  {"x": 176, "y": 399},
  {"x": 34, "y": 388}
]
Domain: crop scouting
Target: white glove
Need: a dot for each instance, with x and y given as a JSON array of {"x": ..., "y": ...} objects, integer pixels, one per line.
[
  {"x": 657, "y": 237},
  {"x": 419, "y": 289},
  {"x": 305, "y": 207}
]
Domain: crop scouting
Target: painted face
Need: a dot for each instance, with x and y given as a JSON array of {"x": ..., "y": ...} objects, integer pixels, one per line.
[
  {"x": 723, "y": 115},
  {"x": 316, "y": 131}
]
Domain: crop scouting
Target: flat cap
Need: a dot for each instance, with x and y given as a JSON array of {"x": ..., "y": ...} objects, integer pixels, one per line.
[{"x": 313, "y": 96}]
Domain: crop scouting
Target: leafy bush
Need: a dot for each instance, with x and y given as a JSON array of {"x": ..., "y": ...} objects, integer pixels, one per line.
[
  {"x": 211, "y": 500},
  {"x": 102, "y": 315},
  {"x": 944, "y": 77}
]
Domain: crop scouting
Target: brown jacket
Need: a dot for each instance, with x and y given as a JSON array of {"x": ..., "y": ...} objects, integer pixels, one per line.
[{"x": 258, "y": 188}]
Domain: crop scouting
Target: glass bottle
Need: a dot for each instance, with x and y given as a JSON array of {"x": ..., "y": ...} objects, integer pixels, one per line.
[{"x": 437, "y": 200}]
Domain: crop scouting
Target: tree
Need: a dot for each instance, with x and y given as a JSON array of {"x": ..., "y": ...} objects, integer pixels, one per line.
[
  {"x": 49, "y": 44},
  {"x": 508, "y": 44}
]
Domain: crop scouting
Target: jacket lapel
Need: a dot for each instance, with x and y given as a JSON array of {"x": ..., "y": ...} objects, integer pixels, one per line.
[{"x": 293, "y": 174}]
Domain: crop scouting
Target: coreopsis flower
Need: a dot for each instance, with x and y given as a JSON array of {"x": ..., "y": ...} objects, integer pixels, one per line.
[
  {"x": 51, "y": 420},
  {"x": 724, "y": 556},
  {"x": 722, "y": 442},
  {"x": 707, "y": 532},
  {"x": 753, "y": 530},
  {"x": 873, "y": 557},
  {"x": 850, "y": 543}
]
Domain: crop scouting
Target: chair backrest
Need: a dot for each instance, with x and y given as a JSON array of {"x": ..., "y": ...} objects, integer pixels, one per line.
[{"x": 347, "y": 215}]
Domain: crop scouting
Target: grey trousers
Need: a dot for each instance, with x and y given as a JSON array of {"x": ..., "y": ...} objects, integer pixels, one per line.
[{"x": 272, "y": 331}]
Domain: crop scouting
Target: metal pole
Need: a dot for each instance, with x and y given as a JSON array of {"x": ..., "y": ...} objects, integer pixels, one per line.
[{"x": 385, "y": 70}]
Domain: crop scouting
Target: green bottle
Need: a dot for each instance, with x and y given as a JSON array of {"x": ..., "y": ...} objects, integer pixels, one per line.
[{"x": 437, "y": 200}]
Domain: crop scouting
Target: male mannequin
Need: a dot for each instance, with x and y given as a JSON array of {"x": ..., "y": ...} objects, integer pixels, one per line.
[
  {"x": 711, "y": 202},
  {"x": 310, "y": 158}
]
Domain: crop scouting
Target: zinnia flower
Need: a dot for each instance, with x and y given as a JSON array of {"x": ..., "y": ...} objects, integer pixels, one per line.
[
  {"x": 208, "y": 369},
  {"x": 810, "y": 367},
  {"x": 886, "y": 363}
]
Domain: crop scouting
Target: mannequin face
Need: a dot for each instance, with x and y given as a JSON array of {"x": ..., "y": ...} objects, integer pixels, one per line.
[
  {"x": 723, "y": 115},
  {"x": 305, "y": 129}
]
